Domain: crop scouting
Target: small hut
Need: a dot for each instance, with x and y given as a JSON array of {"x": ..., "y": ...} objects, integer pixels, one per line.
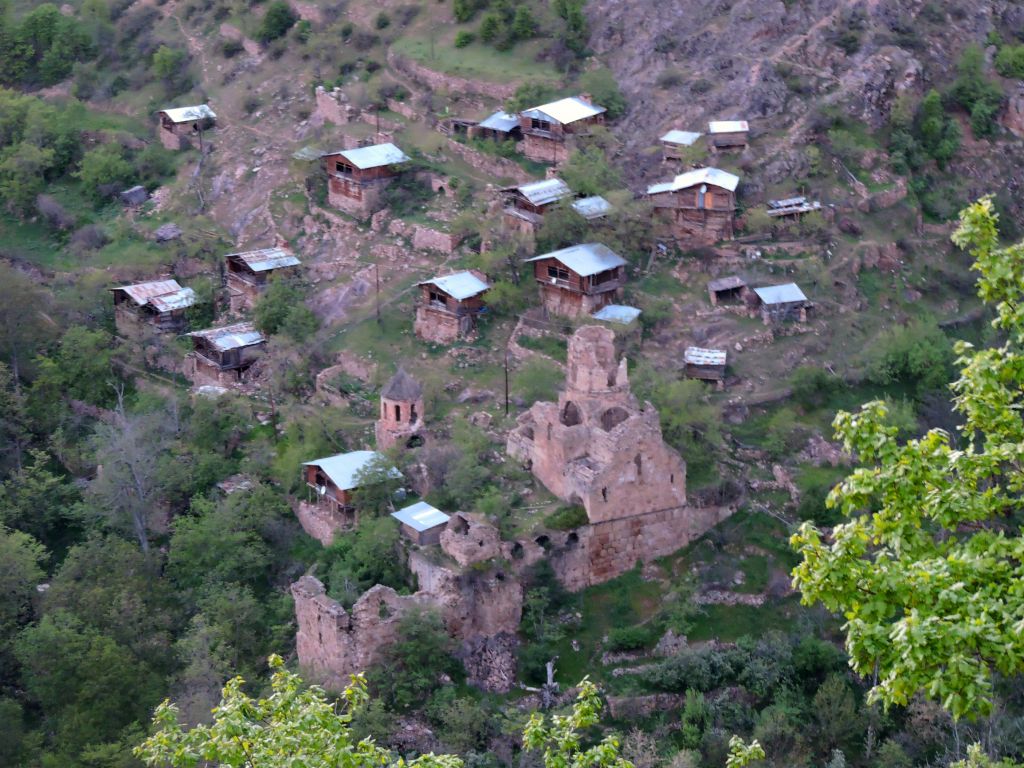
[
  {"x": 580, "y": 279},
  {"x": 181, "y": 127},
  {"x": 421, "y": 523},
  {"x": 449, "y": 306},
  {"x": 727, "y": 289},
  {"x": 592, "y": 208},
  {"x": 728, "y": 134},
  {"x": 674, "y": 144},
  {"x": 782, "y": 302},
  {"x": 159, "y": 303},
  {"x": 223, "y": 356},
  {"x": 526, "y": 204},
  {"x": 548, "y": 129},
  {"x": 331, "y": 481},
  {"x": 705, "y": 364},
  {"x": 249, "y": 273}
]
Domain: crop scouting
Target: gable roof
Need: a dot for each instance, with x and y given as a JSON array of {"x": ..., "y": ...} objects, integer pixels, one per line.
[
  {"x": 374, "y": 156},
  {"x": 188, "y": 114},
  {"x": 162, "y": 295},
  {"x": 727, "y": 283},
  {"x": 230, "y": 337},
  {"x": 585, "y": 259},
  {"x": 686, "y": 138},
  {"x": 500, "y": 121},
  {"x": 564, "y": 111},
  {"x": 421, "y": 516},
  {"x": 715, "y": 176},
  {"x": 543, "y": 192},
  {"x": 593, "y": 207},
  {"x": 265, "y": 259},
  {"x": 342, "y": 468},
  {"x": 461, "y": 285},
  {"x": 728, "y": 126},
  {"x": 780, "y": 294},
  {"x": 617, "y": 313},
  {"x": 402, "y": 386}
]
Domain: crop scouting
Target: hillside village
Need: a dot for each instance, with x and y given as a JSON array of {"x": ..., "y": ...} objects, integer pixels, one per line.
[{"x": 478, "y": 348}]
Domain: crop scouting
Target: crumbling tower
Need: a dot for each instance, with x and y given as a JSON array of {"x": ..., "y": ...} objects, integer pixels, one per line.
[{"x": 401, "y": 411}]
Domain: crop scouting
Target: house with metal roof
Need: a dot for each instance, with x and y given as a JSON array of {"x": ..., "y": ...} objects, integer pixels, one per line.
[
  {"x": 421, "y": 523},
  {"x": 500, "y": 126},
  {"x": 548, "y": 129},
  {"x": 705, "y": 364},
  {"x": 181, "y": 127},
  {"x": 223, "y": 356},
  {"x": 356, "y": 178},
  {"x": 331, "y": 481},
  {"x": 593, "y": 207},
  {"x": 782, "y": 302},
  {"x": 697, "y": 207},
  {"x": 728, "y": 134},
  {"x": 158, "y": 303},
  {"x": 249, "y": 273},
  {"x": 526, "y": 204},
  {"x": 675, "y": 142},
  {"x": 579, "y": 280},
  {"x": 449, "y": 306}
]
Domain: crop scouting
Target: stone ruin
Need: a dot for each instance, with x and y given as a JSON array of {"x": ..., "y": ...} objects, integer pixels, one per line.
[
  {"x": 597, "y": 446},
  {"x": 481, "y": 609},
  {"x": 401, "y": 411}
]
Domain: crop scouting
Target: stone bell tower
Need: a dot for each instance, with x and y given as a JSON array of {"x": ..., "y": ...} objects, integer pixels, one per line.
[{"x": 401, "y": 411}]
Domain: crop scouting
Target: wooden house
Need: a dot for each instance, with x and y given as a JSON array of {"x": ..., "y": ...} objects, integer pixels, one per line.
[
  {"x": 781, "y": 302},
  {"x": 181, "y": 127},
  {"x": 159, "y": 303},
  {"x": 548, "y": 130},
  {"x": 330, "y": 482},
  {"x": 698, "y": 207},
  {"x": 501, "y": 126},
  {"x": 579, "y": 280},
  {"x": 674, "y": 144},
  {"x": 223, "y": 356},
  {"x": 421, "y": 523},
  {"x": 727, "y": 134},
  {"x": 356, "y": 178},
  {"x": 448, "y": 307},
  {"x": 723, "y": 289},
  {"x": 526, "y": 204},
  {"x": 249, "y": 273},
  {"x": 705, "y": 364}
]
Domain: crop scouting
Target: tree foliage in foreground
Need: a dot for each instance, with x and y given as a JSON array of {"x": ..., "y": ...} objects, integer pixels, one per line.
[{"x": 929, "y": 567}]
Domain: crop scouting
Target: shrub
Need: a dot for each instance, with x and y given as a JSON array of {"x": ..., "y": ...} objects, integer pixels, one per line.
[
  {"x": 278, "y": 19},
  {"x": 231, "y": 48},
  {"x": 812, "y": 385},
  {"x": 54, "y": 213},
  {"x": 383, "y": 21},
  {"x": 630, "y": 638},
  {"x": 463, "y": 38},
  {"x": 566, "y": 518},
  {"x": 976, "y": 93},
  {"x": 669, "y": 78},
  {"x": 490, "y": 27},
  {"x": 918, "y": 354},
  {"x": 702, "y": 86},
  {"x": 1010, "y": 61}
]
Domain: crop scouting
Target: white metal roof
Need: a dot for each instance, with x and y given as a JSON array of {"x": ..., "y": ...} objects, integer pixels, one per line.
[
  {"x": 592, "y": 207},
  {"x": 617, "y": 313},
  {"x": 545, "y": 191},
  {"x": 342, "y": 468},
  {"x": 231, "y": 336},
  {"x": 701, "y": 356},
  {"x": 461, "y": 285},
  {"x": 266, "y": 258},
  {"x": 188, "y": 114},
  {"x": 563, "y": 111},
  {"x": 168, "y": 302},
  {"x": 715, "y": 176},
  {"x": 141, "y": 293},
  {"x": 686, "y": 138},
  {"x": 421, "y": 516},
  {"x": 374, "y": 156},
  {"x": 500, "y": 121},
  {"x": 780, "y": 294},
  {"x": 585, "y": 259},
  {"x": 728, "y": 126}
]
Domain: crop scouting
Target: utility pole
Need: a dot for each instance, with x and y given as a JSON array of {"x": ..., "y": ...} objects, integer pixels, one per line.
[
  {"x": 506, "y": 379},
  {"x": 376, "y": 269}
]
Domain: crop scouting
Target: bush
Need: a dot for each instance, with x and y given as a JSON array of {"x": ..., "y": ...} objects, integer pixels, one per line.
[
  {"x": 278, "y": 19},
  {"x": 812, "y": 386},
  {"x": 567, "y": 518},
  {"x": 601, "y": 85},
  {"x": 383, "y": 21},
  {"x": 981, "y": 97},
  {"x": 917, "y": 354},
  {"x": 1010, "y": 61},
  {"x": 491, "y": 28},
  {"x": 231, "y": 48},
  {"x": 669, "y": 78},
  {"x": 630, "y": 638},
  {"x": 463, "y": 38}
]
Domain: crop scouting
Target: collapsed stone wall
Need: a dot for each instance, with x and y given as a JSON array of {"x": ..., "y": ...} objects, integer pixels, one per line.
[{"x": 319, "y": 522}]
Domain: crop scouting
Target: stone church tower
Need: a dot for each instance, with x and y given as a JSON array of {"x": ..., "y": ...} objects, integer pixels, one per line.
[{"x": 401, "y": 411}]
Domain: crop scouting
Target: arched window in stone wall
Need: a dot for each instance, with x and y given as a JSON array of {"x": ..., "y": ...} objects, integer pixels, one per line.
[{"x": 571, "y": 414}]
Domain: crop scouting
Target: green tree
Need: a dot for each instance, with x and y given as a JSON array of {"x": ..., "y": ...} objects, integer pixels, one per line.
[
  {"x": 530, "y": 94},
  {"x": 376, "y": 482},
  {"x": 281, "y": 310},
  {"x": 938, "y": 133},
  {"x": 918, "y": 354},
  {"x": 602, "y": 86},
  {"x": 926, "y": 569},
  {"x": 588, "y": 172},
  {"x": 278, "y": 19},
  {"x": 104, "y": 170},
  {"x": 1010, "y": 61},
  {"x": 38, "y": 501},
  {"x": 491, "y": 28},
  {"x": 973, "y": 91},
  {"x": 524, "y": 26},
  {"x": 170, "y": 65},
  {"x": 412, "y": 666},
  {"x": 21, "y": 569},
  {"x": 81, "y": 367},
  {"x": 23, "y": 171}
]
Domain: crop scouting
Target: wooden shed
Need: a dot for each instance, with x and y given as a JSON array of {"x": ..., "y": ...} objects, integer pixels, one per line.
[
  {"x": 421, "y": 523},
  {"x": 526, "y": 204},
  {"x": 181, "y": 127},
  {"x": 223, "y": 356},
  {"x": 161, "y": 304},
  {"x": 782, "y": 302},
  {"x": 723, "y": 289},
  {"x": 705, "y": 364},
  {"x": 728, "y": 134},
  {"x": 249, "y": 273},
  {"x": 674, "y": 144},
  {"x": 330, "y": 482}
]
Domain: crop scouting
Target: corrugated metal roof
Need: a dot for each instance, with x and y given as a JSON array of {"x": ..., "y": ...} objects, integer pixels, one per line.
[
  {"x": 563, "y": 111},
  {"x": 266, "y": 258},
  {"x": 617, "y": 313},
  {"x": 188, "y": 114},
  {"x": 686, "y": 138},
  {"x": 592, "y": 207},
  {"x": 545, "y": 191},
  {"x": 461, "y": 285},
  {"x": 374, "y": 156},
  {"x": 421, "y": 516},
  {"x": 308, "y": 153},
  {"x": 700, "y": 356},
  {"x": 728, "y": 126},
  {"x": 342, "y": 468},
  {"x": 500, "y": 121},
  {"x": 231, "y": 336},
  {"x": 169, "y": 302},
  {"x": 715, "y": 176},
  {"x": 141, "y": 293},
  {"x": 727, "y": 283},
  {"x": 780, "y": 294},
  {"x": 585, "y": 259},
  {"x": 789, "y": 202}
]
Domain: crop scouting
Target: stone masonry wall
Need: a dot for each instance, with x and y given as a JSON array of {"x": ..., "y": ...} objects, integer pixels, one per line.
[
  {"x": 319, "y": 522},
  {"x": 495, "y": 166},
  {"x": 451, "y": 83}
]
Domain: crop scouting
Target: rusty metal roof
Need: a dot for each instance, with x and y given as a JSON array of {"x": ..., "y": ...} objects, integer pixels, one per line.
[
  {"x": 266, "y": 258},
  {"x": 230, "y": 337},
  {"x": 701, "y": 356},
  {"x": 168, "y": 302},
  {"x": 162, "y": 295}
]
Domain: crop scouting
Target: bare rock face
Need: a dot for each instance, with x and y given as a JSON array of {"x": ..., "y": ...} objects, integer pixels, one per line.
[
  {"x": 1013, "y": 120},
  {"x": 490, "y": 662}
]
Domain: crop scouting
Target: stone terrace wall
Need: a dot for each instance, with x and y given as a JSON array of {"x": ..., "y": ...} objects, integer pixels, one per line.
[
  {"x": 451, "y": 83},
  {"x": 318, "y": 522},
  {"x": 495, "y": 166}
]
